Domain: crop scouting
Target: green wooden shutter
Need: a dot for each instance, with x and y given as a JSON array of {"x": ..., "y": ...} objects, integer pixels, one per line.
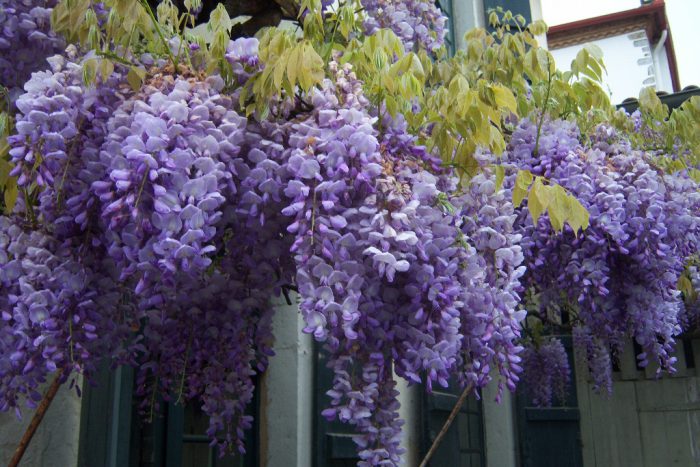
[
  {"x": 517, "y": 7},
  {"x": 113, "y": 434},
  {"x": 334, "y": 446},
  {"x": 463, "y": 445},
  {"x": 450, "y": 42},
  {"x": 106, "y": 419},
  {"x": 550, "y": 435}
]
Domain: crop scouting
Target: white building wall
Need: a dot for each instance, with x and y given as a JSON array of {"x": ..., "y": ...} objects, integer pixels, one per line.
[
  {"x": 645, "y": 422},
  {"x": 500, "y": 428},
  {"x": 466, "y": 15},
  {"x": 286, "y": 393},
  {"x": 56, "y": 440},
  {"x": 630, "y": 62}
]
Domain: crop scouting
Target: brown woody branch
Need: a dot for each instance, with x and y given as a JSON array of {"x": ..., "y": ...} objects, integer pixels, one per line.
[
  {"x": 448, "y": 423},
  {"x": 36, "y": 419}
]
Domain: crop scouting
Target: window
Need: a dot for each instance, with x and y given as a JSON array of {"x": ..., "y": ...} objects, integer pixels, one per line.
[
  {"x": 550, "y": 435},
  {"x": 113, "y": 434},
  {"x": 446, "y": 7},
  {"x": 463, "y": 446}
]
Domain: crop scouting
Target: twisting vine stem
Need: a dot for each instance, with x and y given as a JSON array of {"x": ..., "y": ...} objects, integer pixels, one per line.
[
  {"x": 446, "y": 426},
  {"x": 544, "y": 108},
  {"x": 36, "y": 419}
]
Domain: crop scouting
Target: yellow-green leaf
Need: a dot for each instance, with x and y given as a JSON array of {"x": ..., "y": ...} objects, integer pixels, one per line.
[
  {"x": 500, "y": 175},
  {"x": 5, "y": 168},
  {"x": 538, "y": 199},
  {"x": 686, "y": 287},
  {"x": 106, "y": 69},
  {"x": 10, "y": 193},
  {"x": 90, "y": 71},
  {"x": 580, "y": 217},
  {"x": 135, "y": 77},
  {"x": 504, "y": 98},
  {"x": 293, "y": 65},
  {"x": 559, "y": 208}
]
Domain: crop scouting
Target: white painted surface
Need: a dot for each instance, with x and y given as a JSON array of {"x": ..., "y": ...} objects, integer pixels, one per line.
[
  {"x": 466, "y": 15},
  {"x": 682, "y": 17},
  {"x": 55, "y": 443},
  {"x": 410, "y": 398},
  {"x": 499, "y": 428},
  {"x": 286, "y": 406},
  {"x": 645, "y": 422},
  {"x": 629, "y": 61}
]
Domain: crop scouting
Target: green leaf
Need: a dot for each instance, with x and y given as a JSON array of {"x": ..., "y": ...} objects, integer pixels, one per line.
[
  {"x": 293, "y": 65},
  {"x": 522, "y": 183},
  {"x": 5, "y": 168},
  {"x": 500, "y": 175},
  {"x": 219, "y": 19},
  {"x": 580, "y": 217},
  {"x": 538, "y": 199},
  {"x": 90, "y": 71},
  {"x": 135, "y": 77},
  {"x": 649, "y": 101},
  {"x": 686, "y": 287},
  {"x": 559, "y": 208},
  {"x": 106, "y": 69},
  {"x": 505, "y": 98},
  {"x": 10, "y": 195},
  {"x": 311, "y": 69},
  {"x": 279, "y": 68}
]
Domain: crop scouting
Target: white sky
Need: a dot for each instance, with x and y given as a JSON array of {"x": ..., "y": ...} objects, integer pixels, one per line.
[{"x": 683, "y": 18}]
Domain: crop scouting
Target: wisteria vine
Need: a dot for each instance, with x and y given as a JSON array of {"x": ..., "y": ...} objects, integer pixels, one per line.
[{"x": 156, "y": 223}]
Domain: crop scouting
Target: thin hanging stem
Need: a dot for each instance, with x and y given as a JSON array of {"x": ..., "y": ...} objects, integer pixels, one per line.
[
  {"x": 448, "y": 423},
  {"x": 544, "y": 109},
  {"x": 173, "y": 59},
  {"x": 36, "y": 419}
]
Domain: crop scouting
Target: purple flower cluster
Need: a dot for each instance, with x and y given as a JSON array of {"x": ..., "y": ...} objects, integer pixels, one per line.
[
  {"x": 491, "y": 278},
  {"x": 59, "y": 311},
  {"x": 337, "y": 216},
  {"x": 385, "y": 267},
  {"x": 242, "y": 55},
  {"x": 157, "y": 184},
  {"x": 546, "y": 372},
  {"x": 620, "y": 274},
  {"x": 26, "y": 40},
  {"x": 165, "y": 178},
  {"x": 418, "y": 23},
  {"x": 204, "y": 215},
  {"x": 67, "y": 121}
]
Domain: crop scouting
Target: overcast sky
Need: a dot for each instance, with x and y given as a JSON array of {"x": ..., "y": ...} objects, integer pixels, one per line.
[{"x": 683, "y": 18}]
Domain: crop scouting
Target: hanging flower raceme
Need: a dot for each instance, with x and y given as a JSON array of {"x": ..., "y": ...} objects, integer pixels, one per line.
[
  {"x": 59, "y": 311},
  {"x": 618, "y": 278},
  {"x": 492, "y": 271},
  {"x": 26, "y": 41},
  {"x": 418, "y": 23},
  {"x": 60, "y": 128},
  {"x": 546, "y": 372}
]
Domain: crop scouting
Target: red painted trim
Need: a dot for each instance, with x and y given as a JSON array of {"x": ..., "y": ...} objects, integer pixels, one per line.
[
  {"x": 655, "y": 10},
  {"x": 672, "y": 64}
]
